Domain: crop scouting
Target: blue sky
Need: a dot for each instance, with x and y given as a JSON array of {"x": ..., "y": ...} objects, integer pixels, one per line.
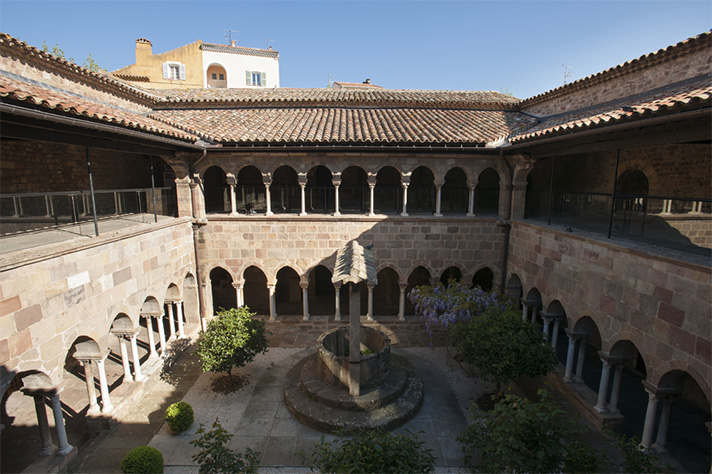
[{"x": 518, "y": 46}]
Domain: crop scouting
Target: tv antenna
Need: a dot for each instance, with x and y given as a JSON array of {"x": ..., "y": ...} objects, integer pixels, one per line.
[
  {"x": 268, "y": 41},
  {"x": 330, "y": 79},
  {"x": 228, "y": 35},
  {"x": 567, "y": 72}
]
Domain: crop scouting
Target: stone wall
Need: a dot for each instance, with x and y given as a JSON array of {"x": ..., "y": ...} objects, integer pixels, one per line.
[
  {"x": 659, "y": 304},
  {"x": 52, "y": 295}
]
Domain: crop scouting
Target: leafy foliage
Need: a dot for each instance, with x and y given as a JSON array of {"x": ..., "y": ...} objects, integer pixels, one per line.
[
  {"x": 518, "y": 436},
  {"x": 580, "y": 458},
  {"x": 89, "y": 62},
  {"x": 371, "y": 452},
  {"x": 502, "y": 347},
  {"x": 143, "y": 460},
  {"x": 179, "y": 416},
  {"x": 232, "y": 339},
  {"x": 443, "y": 306},
  {"x": 215, "y": 458},
  {"x": 636, "y": 459}
]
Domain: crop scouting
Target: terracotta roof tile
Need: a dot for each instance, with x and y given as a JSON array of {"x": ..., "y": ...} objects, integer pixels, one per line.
[
  {"x": 690, "y": 94},
  {"x": 64, "y": 103}
]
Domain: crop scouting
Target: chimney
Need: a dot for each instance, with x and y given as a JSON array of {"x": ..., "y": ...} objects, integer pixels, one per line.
[
  {"x": 233, "y": 43},
  {"x": 143, "y": 50},
  {"x": 367, "y": 81}
]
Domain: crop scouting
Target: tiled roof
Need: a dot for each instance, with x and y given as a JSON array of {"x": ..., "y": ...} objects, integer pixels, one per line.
[
  {"x": 690, "y": 45},
  {"x": 688, "y": 95},
  {"x": 222, "y": 48},
  {"x": 486, "y": 100},
  {"x": 333, "y": 124},
  {"x": 64, "y": 103}
]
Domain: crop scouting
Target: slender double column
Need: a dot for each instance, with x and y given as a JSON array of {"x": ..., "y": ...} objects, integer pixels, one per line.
[
  {"x": 372, "y": 193},
  {"x": 438, "y": 198},
  {"x": 401, "y": 301},
  {"x": 239, "y": 293},
  {"x": 40, "y": 397},
  {"x": 369, "y": 313},
  {"x": 471, "y": 202},
  {"x": 124, "y": 336},
  {"x": 232, "y": 182},
  {"x": 574, "y": 338},
  {"x": 404, "y": 212},
  {"x": 337, "y": 205},
  {"x": 305, "y": 299},
  {"x": 272, "y": 301},
  {"x": 609, "y": 362},
  {"x": 655, "y": 396}
]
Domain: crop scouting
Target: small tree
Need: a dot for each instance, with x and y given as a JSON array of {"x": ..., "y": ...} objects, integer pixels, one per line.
[
  {"x": 215, "y": 458},
  {"x": 232, "y": 339},
  {"x": 502, "y": 347}
]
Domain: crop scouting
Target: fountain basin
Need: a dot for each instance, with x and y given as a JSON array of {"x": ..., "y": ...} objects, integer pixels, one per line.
[{"x": 333, "y": 357}]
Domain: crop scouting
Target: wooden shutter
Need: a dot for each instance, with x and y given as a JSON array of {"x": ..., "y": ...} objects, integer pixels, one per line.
[
  {"x": 182, "y": 72},
  {"x": 264, "y": 79},
  {"x": 248, "y": 78},
  {"x": 166, "y": 71}
]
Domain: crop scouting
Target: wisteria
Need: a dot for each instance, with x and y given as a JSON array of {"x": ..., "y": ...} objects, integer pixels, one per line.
[{"x": 442, "y": 306}]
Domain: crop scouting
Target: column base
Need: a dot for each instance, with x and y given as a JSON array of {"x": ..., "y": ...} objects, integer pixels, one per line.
[
  {"x": 107, "y": 409},
  {"x": 49, "y": 450},
  {"x": 437, "y": 215},
  {"x": 471, "y": 214},
  {"x": 65, "y": 451},
  {"x": 601, "y": 409},
  {"x": 658, "y": 448},
  {"x": 142, "y": 379}
]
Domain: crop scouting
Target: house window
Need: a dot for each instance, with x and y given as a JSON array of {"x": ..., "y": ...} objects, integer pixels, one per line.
[
  {"x": 222, "y": 77},
  {"x": 215, "y": 76},
  {"x": 174, "y": 71},
  {"x": 256, "y": 78}
]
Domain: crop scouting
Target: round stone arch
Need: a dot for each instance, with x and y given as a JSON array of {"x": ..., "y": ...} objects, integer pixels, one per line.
[
  {"x": 426, "y": 266},
  {"x": 626, "y": 347},
  {"x": 628, "y": 165},
  {"x": 209, "y": 162},
  {"x": 448, "y": 266},
  {"x": 291, "y": 265},
  {"x": 150, "y": 305},
  {"x": 392, "y": 266},
  {"x": 658, "y": 376},
  {"x": 514, "y": 288},
  {"x": 493, "y": 269},
  {"x": 173, "y": 293},
  {"x": 31, "y": 377},
  {"x": 587, "y": 324}
]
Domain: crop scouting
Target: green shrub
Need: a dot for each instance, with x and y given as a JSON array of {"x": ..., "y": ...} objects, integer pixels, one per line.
[
  {"x": 179, "y": 417},
  {"x": 143, "y": 460},
  {"x": 371, "y": 452},
  {"x": 580, "y": 458},
  {"x": 215, "y": 458},
  {"x": 518, "y": 436},
  {"x": 636, "y": 459}
]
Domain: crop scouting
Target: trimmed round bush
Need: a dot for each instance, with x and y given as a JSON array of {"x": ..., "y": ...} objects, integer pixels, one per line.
[
  {"x": 179, "y": 417},
  {"x": 143, "y": 460}
]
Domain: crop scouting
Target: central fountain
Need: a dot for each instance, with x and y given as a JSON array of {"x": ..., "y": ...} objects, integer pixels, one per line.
[{"x": 353, "y": 381}]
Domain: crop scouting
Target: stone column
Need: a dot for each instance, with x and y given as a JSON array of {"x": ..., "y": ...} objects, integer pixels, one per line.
[
  {"x": 438, "y": 198},
  {"x": 161, "y": 333},
  {"x": 547, "y": 321},
  {"x": 471, "y": 203},
  {"x": 535, "y": 311},
  {"x": 232, "y": 182},
  {"x": 151, "y": 337},
  {"x": 63, "y": 445},
  {"x": 45, "y": 435},
  {"x": 138, "y": 376},
  {"x": 125, "y": 358},
  {"x": 184, "y": 197},
  {"x": 504, "y": 203},
  {"x": 302, "y": 186},
  {"x": 519, "y": 185},
  {"x": 616, "y": 388},
  {"x": 372, "y": 193},
  {"x": 525, "y": 310},
  {"x": 198, "y": 198},
  {"x": 664, "y": 424},
  {"x": 179, "y": 317},
  {"x": 336, "y": 184},
  {"x": 369, "y": 314},
  {"x": 106, "y": 405},
  {"x": 171, "y": 323},
  {"x": 651, "y": 413},
  {"x": 337, "y": 302},
  {"x": 570, "y": 354},
  {"x": 305, "y": 300},
  {"x": 268, "y": 198},
  {"x": 354, "y": 339},
  {"x": 272, "y": 303},
  {"x": 238, "y": 292},
  {"x": 401, "y": 304},
  {"x": 578, "y": 378},
  {"x": 91, "y": 390},
  {"x": 404, "y": 212},
  {"x": 601, "y": 406},
  {"x": 555, "y": 331}
]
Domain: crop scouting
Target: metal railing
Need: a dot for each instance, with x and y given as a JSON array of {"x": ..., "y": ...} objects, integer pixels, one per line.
[
  {"x": 680, "y": 223},
  {"x": 23, "y": 212}
]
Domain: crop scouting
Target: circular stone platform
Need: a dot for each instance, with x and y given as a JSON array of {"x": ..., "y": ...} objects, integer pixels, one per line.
[{"x": 322, "y": 406}]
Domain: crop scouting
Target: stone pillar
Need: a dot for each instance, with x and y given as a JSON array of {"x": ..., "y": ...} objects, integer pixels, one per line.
[
  {"x": 63, "y": 445},
  {"x": 232, "y": 182},
  {"x": 151, "y": 337},
  {"x": 238, "y": 293},
  {"x": 616, "y": 388},
  {"x": 354, "y": 339},
  {"x": 305, "y": 300},
  {"x": 570, "y": 354},
  {"x": 91, "y": 390},
  {"x": 268, "y": 198},
  {"x": 578, "y": 378},
  {"x": 404, "y": 212},
  {"x": 45, "y": 435},
  {"x": 184, "y": 197},
  {"x": 336, "y": 184},
  {"x": 272, "y": 303},
  {"x": 471, "y": 202},
  {"x": 125, "y": 358},
  {"x": 438, "y": 199},
  {"x": 337, "y": 302},
  {"x": 161, "y": 333},
  {"x": 138, "y": 376},
  {"x": 372, "y": 193},
  {"x": 401, "y": 305},
  {"x": 555, "y": 332},
  {"x": 504, "y": 203},
  {"x": 664, "y": 424},
  {"x": 601, "y": 406},
  {"x": 651, "y": 413},
  {"x": 198, "y": 198},
  {"x": 535, "y": 311},
  {"x": 106, "y": 405},
  {"x": 171, "y": 323},
  {"x": 522, "y": 168},
  {"x": 525, "y": 310},
  {"x": 369, "y": 314},
  {"x": 547, "y": 321},
  {"x": 302, "y": 186},
  {"x": 179, "y": 317}
]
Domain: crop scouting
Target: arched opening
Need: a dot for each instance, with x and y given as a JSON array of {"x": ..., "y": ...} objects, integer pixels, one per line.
[
  {"x": 191, "y": 307},
  {"x": 633, "y": 186},
  {"x": 484, "y": 278},
  {"x": 386, "y": 293},
  {"x": 250, "y": 192},
  {"x": 319, "y": 190},
  {"x": 688, "y": 409},
  {"x": 224, "y": 295},
  {"x": 419, "y": 276},
  {"x": 556, "y": 333},
  {"x": 216, "y": 77},
  {"x": 255, "y": 291},
  {"x": 176, "y": 318},
  {"x": 454, "y": 193},
  {"x": 421, "y": 191},
  {"x": 587, "y": 363},
  {"x": 450, "y": 273},
  {"x": 321, "y": 292},
  {"x": 286, "y": 195},
  {"x": 354, "y": 192},
  {"x": 514, "y": 289},
  {"x": 217, "y": 198},
  {"x": 288, "y": 293},
  {"x": 533, "y": 302},
  {"x": 632, "y": 399},
  {"x": 388, "y": 193},
  {"x": 487, "y": 192}
]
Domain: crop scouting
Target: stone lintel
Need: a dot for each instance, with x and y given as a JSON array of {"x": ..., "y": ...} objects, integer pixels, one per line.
[
  {"x": 576, "y": 334},
  {"x": 661, "y": 391},
  {"x": 552, "y": 316},
  {"x": 82, "y": 355},
  {"x": 611, "y": 359},
  {"x": 122, "y": 332}
]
